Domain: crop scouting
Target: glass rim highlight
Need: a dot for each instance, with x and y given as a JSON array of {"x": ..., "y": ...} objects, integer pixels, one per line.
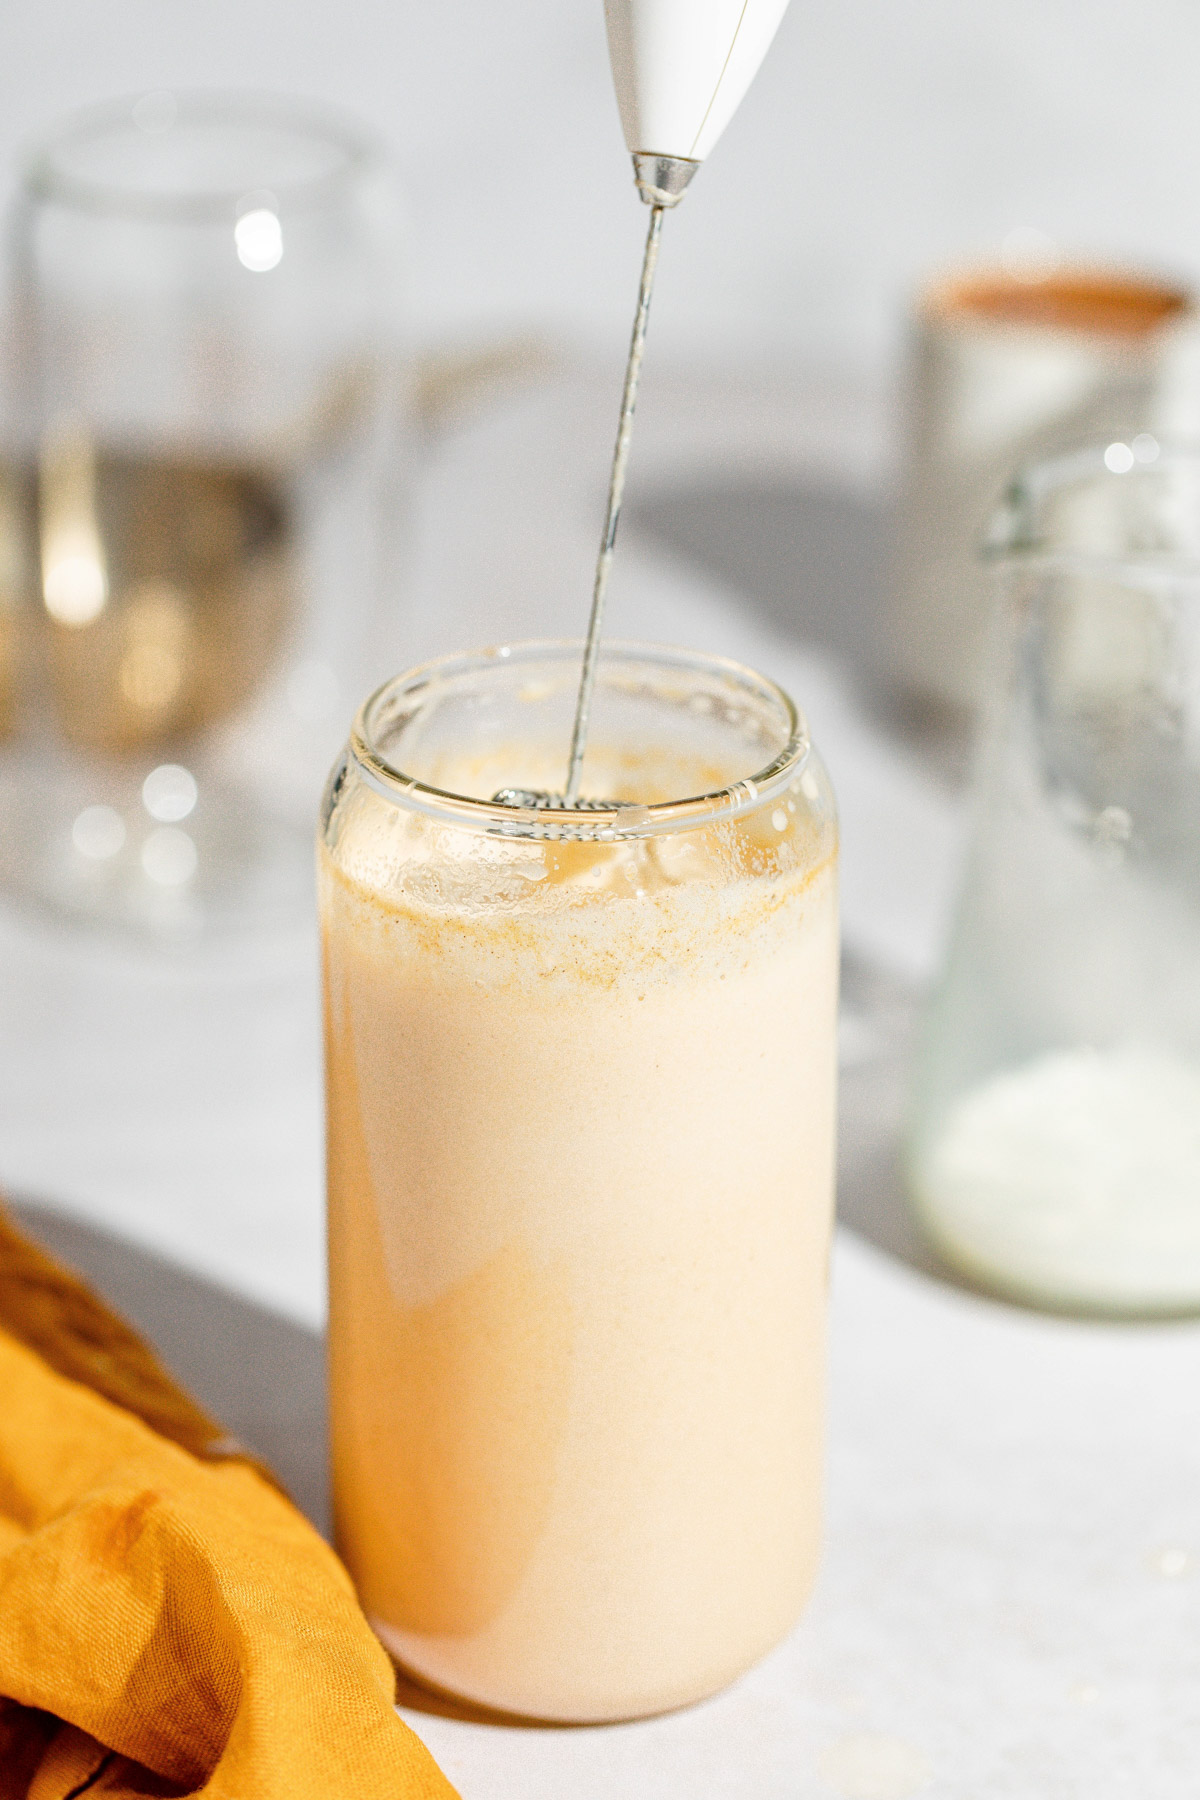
[
  {"x": 1019, "y": 537},
  {"x": 598, "y": 823},
  {"x": 47, "y": 177}
]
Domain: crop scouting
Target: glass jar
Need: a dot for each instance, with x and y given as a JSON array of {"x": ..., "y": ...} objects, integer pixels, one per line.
[
  {"x": 1055, "y": 1145},
  {"x": 197, "y": 491},
  {"x": 1009, "y": 366},
  {"x": 580, "y": 1091}
]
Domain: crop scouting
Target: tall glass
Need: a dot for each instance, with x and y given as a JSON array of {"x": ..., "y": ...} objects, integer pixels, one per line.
[
  {"x": 1055, "y": 1145},
  {"x": 196, "y": 498},
  {"x": 580, "y": 1080}
]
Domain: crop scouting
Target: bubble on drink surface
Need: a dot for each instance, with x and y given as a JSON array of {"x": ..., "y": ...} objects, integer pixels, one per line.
[
  {"x": 98, "y": 833},
  {"x": 169, "y": 793},
  {"x": 169, "y": 857},
  {"x": 1119, "y": 459}
]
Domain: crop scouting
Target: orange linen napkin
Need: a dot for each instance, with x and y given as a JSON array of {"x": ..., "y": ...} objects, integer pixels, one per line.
[{"x": 169, "y": 1623}]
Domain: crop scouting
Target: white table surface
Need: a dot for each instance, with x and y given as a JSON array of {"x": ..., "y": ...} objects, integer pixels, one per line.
[{"x": 1009, "y": 1606}]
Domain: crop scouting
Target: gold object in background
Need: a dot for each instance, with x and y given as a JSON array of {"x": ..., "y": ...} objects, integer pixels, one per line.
[
  {"x": 207, "y": 421},
  {"x": 14, "y": 588},
  {"x": 1005, "y": 366},
  {"x": 165, "y": 588}
]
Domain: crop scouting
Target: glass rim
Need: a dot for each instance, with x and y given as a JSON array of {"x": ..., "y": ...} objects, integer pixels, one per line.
[
  {"x": 597, "y": 823},
  {"x": 952, "y": 296},
  {"x": 1009, "y": 541},
  {"x": 44, "y": 178}
]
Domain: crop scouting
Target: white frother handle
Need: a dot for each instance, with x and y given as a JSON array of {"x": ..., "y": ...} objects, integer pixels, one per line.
[{"x": 682, "y": 66}]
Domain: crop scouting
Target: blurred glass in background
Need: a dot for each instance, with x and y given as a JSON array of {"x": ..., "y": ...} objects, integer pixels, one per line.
[
  {"x": 1008, "y": 364},
  {"x": 200, "y": 492},
  {"x": 1054, "y": 1152}
]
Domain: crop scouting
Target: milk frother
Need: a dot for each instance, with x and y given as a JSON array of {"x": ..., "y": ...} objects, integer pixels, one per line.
[{"x": 680, "y": 68}]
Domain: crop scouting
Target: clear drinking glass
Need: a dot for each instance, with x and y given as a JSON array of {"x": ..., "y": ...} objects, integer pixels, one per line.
[
  {"x": 580, "y": 1085},
  {"x": 1055, "y": 1144},
  {"x": 198, "y": 486}
]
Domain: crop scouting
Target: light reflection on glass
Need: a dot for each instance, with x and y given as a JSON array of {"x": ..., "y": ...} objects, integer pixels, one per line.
[
  {"x": 74, "y": 578},
  {"x": 169, "y": 856},
  {"x": 98, "y": 833},
  {"x": 169, "y": 793},
  {"x": 258, "y": 237}
]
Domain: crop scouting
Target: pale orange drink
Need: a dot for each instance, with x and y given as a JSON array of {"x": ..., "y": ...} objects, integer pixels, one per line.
[{"x": 580, "y": 1118}]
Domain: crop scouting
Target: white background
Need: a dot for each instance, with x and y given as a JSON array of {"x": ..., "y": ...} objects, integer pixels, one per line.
[
  {"x": 881, "y": 139},
  {"x": 1010, "y": 1604}
]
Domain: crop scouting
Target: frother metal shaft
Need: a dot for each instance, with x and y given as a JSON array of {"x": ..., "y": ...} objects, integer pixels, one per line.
[{"x": 616, "y": 488}]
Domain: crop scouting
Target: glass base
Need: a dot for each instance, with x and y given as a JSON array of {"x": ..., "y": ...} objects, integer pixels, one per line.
[
  {"x": 1072, "y": 1182},
  {"x": 162, "y": 852},
  {"x": 458, "y": 1701}
]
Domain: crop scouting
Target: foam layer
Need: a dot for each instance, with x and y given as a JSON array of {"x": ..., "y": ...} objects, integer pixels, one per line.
[{"x": 524, "y": 910}]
